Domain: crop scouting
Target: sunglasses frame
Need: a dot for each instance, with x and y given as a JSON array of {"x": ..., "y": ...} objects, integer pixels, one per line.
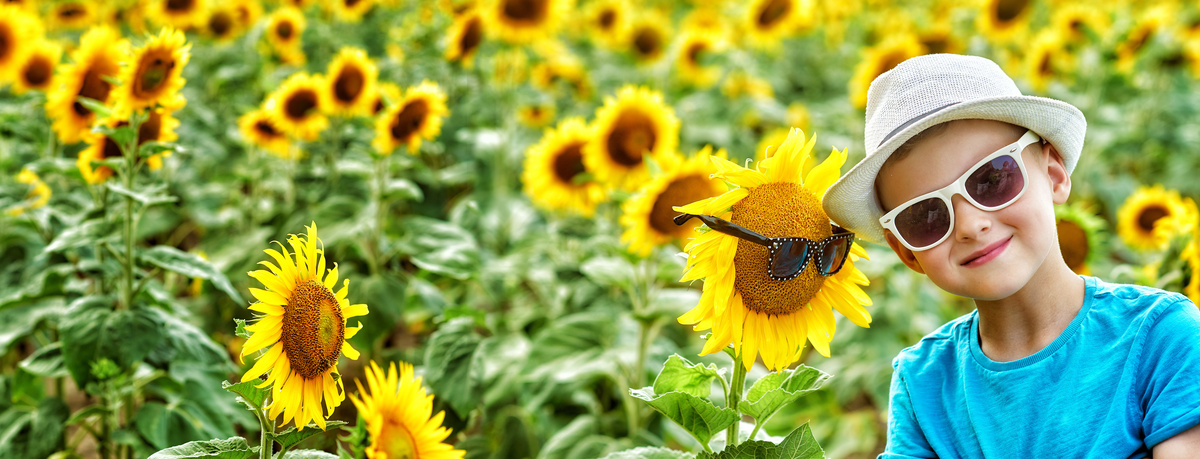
[
  {"x": 1015, "y": 149},
  {"x": 774, "y": 243}
]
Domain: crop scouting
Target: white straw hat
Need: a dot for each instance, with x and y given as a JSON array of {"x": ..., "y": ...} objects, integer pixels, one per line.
[{"x": 932, "y": 89}]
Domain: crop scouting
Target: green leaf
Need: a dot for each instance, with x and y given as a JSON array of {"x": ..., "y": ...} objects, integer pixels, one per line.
[
  {"x": 190, "y": 265},
  {"x": 566, "y": 438},
  {"x": 46, "y": 362},
  {"x": 154, "y": 147},
  {"x": 649, "y": 452},
  {"x": 94, "y": 106},
  {"x": 449, "y": 359},
  {"x": 441, "y": 247},
  {"x": 33, "y": 434},
  {"x": 247, "y": 393},
  {"x": 609, "y": 271},
  {"x": 155, "y": 194},
  {"x": 309, "y": 454},
  {"x": 799, "y": 444},
  {"x": 86, "y": 233},
  {"x": 91, "y": 330},
  {"x": 240, "y": 328},
  {"x": 775, "y": 390},
  {"x": 230, "y": 448},
  {"x": 291, "y": 437},
  {"x": 678, "y": 374},
  {"x": 19, "y": 322},
  {"x": 698, "y": 416},
  {"x": 405, "y": 189}
]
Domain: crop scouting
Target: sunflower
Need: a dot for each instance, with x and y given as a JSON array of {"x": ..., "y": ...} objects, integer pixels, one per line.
[
  {"x": 767, "y": 22},
  {"x": 880, "y": 58},
  {"x": 523, "y": 21},
  {"x": 74, "y": 15},
  {"x": 153, "y": 74},
  {"x": 555, "y": 176},
  {"x": 1045, "y": 60},
  {"x": 180, "y": 14},
  {"x": 695, "y": 47},
  {"x": 386, "y": 95},
  {"x": 648, "y": 37},
  {"x": 350, "y": 80},
  {"x": 607, "y": 22},
  {"x": 742, "y": 84},
  {"x": 38, "y": 196},
  {"x": 510, "y": 67},
  {"x": 223, "y": 23},
  {"x": 768, "y": 142},
  {"x": 258, "y": 129},
  {"x": 740, "y": 303},
  {"x": 564, "y": 70},
  {"x": 351, "y": 10},
  {"x": 158, "y": 127},
  {"x": 1148, "y": 26},
  {"x": 284, "y": 28},
  {"x": 647, "y": 216},
  {"x": 295, "y": 106},
  {"x": 706, "y": 17},
  {"x": 37, "y": 70},
  {"x": 1151, "y": 217},
  {"x": 415, "y": 117},
  {"x": 303, "y": 329},
  {"x": 536, "y": 115},
  {"x": 1079, "y": 230},
  {"x": 1003, "y": 20},
  {"x": 1079, "y": 24},
  {"x": 1191, "y": 253},
  {"x": 635, "y": 124},
  {"x": 798, "y": 116},
  {"x": 399, "y": 416},
  {"x": 247, "y": 12},
  {"x": 18, "y": 31},
  {"x": 464, "y": 37},
  {"x": 97, "y": 60},
  {"x": 940, "y": 39}
]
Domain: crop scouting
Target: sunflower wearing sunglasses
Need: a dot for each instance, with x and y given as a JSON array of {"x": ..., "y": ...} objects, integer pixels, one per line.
[{"x": 774, "y": 268}]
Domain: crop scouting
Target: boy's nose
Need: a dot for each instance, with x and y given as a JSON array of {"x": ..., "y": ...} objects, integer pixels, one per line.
[{"x": 970, "y": 222}]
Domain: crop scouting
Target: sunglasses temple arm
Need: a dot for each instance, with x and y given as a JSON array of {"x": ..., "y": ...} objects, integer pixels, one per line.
[{"x": 722, "y": 226}]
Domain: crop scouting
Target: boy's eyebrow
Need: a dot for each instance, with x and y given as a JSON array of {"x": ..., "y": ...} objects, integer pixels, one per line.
[{"x": 911, "y": 122}]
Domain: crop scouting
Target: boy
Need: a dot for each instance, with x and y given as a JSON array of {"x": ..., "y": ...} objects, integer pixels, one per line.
[{"x": 960, "y": 179}]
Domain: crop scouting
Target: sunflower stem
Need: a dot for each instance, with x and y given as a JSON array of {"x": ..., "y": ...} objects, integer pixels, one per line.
[
  {"x": 381, "y": 177},
  {"x": 734, "y": 398},
  {"x": 129, "y": 152},
  {"x": 266, "y": 444}
]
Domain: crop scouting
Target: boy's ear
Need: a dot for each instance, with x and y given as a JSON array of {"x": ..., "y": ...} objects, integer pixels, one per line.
[
  {"x": 1056, "y": 171},
  {"x": 905, "y": 255}
]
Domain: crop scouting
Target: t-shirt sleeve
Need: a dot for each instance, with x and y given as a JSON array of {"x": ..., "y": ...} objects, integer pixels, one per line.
[
  {"x": 1171, "y": 371},
  {"x": 904, "y": 437}
]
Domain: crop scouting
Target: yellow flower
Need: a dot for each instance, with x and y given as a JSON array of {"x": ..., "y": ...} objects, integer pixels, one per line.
[
  {"x": 399, "y": 416},
  {"x": 96, "y": 60},
  {"x": 180, "y": 14},
  {"x": 464, "y": 37},
  {"x": 19, "y": 30},
  {"x": 1148, "y": 26},
  {"x": 510, "y": 67},
  {"x": 302, "y": 326},
  {"x": 781, "y": 197},
  {"x": 647, "y": 217},
  {"x": 742, "y": 84},
  {"x": 881, "y": 58},
  {"x": 695, "y": 45},
  {"x": 350, "y": 80},
  {"x": 295, "y": 107},
  {"x": 648, "y": 37},
  {"x": 351, "y": 10},
  {"x": 634, "y": 124},
  {"x": 1045, "y": 60},
  {"x": 37, "y": 70},
  {"x": 74, "y": 15},
  {"x": 554, "y": 176},
  {"x": 39, "y": 193},
  {"x": 285, "y": 26},
  {"x": 523, "y": 21},
  {"x": 768, "y": 22},
  {"x": 563, "y": 70},
  {"x": 415, "y": 117},
  {"x": 940, "y": 39},
  {"x": 153, "y": 74},
  {"x": 1079, "y": 24},
  {"x": 258, "y": 129},
  {"x": 223, "y": 23},
  {"x": 1078, "y": 236},
  {"x": 1003, "y": 20},
  {"x": 536, "y": 115},
  {"x": 1151, "y": 217},
  {"x": 1191, "y": 253},
  {"x": 769, "y": 141},
  {"x": 607, "y": 22},
  {"x": 158, "y": 127}
]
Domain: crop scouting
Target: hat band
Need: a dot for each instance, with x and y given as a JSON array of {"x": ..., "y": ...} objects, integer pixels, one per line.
[{"x": 911, "y": 122}]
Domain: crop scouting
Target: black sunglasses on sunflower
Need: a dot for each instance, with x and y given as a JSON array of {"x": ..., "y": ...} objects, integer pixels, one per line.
[
  {"x": 789, "y": 255},
  {"x": 993, "y": 183}
]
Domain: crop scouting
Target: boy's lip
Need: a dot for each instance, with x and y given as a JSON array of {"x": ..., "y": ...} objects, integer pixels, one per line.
[{"x": 986, "y": 254}]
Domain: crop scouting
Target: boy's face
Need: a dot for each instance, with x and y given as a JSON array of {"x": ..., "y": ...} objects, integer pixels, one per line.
[{"x": 988, "y": 255}]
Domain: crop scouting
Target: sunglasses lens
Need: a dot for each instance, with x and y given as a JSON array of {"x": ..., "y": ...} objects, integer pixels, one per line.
[
  {"x": 996, "y": 182},
  {"x": 924, "y": 222},
  {"x": 789, "y": 259},
  {"x": 833, "y": 254}
]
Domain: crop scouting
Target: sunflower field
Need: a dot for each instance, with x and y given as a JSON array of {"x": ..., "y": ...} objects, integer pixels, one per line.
[{"x": 464, "y": 228}]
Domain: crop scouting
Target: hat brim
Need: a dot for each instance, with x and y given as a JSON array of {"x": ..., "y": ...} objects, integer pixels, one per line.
[{"x": 852, "y": 202}]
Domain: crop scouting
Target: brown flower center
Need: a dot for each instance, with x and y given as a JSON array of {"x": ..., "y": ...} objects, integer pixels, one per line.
[
  {"x": 693, "y": 52},
  {"x": 152, "y": 72},
  {"x": 94, "y": 86},
  {"x": 1073, "y": 242},
  {"x": 300, "y": 104},
  {"x": 348, "y": 85},
  {"x": 632, "y": 136},
  {"x": 180, "y": 6},
  {"x": 6, "y": 40},
  {"x": 607, "y": 19},
  {"x": 409, "y": 120},
  {"x": 647, "y": 42},
  {"x": 568, "y": 163},
  {"x": 681, "y": 191},
  {"x": 777, "y": 210},
  {"x": 151, "y": 129},
  {"x": 472, "y": 36},
  {"x": 772, "y": 12},
  {"x": 37, "y": 71},
  {"x": 890, "y": 60},
  {"x": 1008, "y": 10},
  {"x": 284, "y": 30},
  {"x": 525, "y": 11},
  {"x": 220, "y": 23},
  {"x": 1149, "y": 216},
  {"x": 265, "y": 128},
  {"x": 313, "y": 330},
  {"x": 71, "y": 11}
]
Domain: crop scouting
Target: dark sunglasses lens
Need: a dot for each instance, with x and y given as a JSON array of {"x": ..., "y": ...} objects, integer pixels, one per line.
[
  {"x": 833, "y": 254},
  {"x": 996, "y": 182},
  {"x": 924, "y": 222},
  {"x": 789, "y": 259}
]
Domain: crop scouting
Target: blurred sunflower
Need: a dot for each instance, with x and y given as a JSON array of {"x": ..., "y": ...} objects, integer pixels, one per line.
[
  {"x": 1046, "y": 61},
  {"x": 768, "y": 22},
  {"x": 302, "y": 326},
  {"x": 1150, "y": 24},
  {"x": 1151, "y": 217},
  {"x": 223, "y": 24},
  {"x": 1191, "y": 253},
  {"x": 510, "y": 67},
  {"x": 37, "y": 70},
  {"x": 741, "y": 84},
  {"x": 1080, "y": 24},
  {"x": 399, "y": 416},
  {"x": 880, "y": 58},
  {"x": 555, "y": 176},
  {"x": 798, "y": 116},
  {"x": 940, "y": 38},
  {"x": 97, "y": 59},
  {"x": 1079, "y": 231},
  {"x": 607, "y": 22},
  {"x": 415, "y": 117},
  {"x": 1004, "y": 20},
  {"x": 180, "y": 14},
  {"x": 781, "y": 197},
  {"x": 464, "y": 37},
  {"x": 695, "y": 47},
  {"x": 71, "y": 15},
  {"x": 536, "y": 115},
  {"x": 247, "y": 12},
  {"x": 284, "y": 28},
  {"x": 648, "y": 37},
  {"x": 153, "y": 74},
  {"x": 19, "y": 30},
  {"x": 706, "y": 17},
  {"x": 258, "y": 129},
  {"x": 523, "y": 21},
  {"x": 38, "y": 196},
  {"x": 351, "y": 10},
  {"x": 295, "y": 107},
  {"x": 349, "y": 82},
  {"x": 647, "y": 217},
  {"x": 548, "y": 75},
  {"x": 634, "y": 124},
  {"x": 159, "y": 127},
  {"x": 453, "y": 8},
  {"x": 386, "y": 94}
]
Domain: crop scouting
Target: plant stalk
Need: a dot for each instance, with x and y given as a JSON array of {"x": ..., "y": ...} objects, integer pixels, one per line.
[
  {"x": 735, "y": 397},
  {"x": 266, "y": 443}
]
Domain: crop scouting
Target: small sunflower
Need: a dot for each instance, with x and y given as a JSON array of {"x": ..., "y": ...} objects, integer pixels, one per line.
[
  {"x": 258, "y": 129},
  {"x": 399, "y": 416},
  {"x": 351, "y": 10},
  {"x": 881, "y": 58},
  {"x": 510, "y": 67},
  {"x": 416, "y": 117},
  {"x": 695, "y": 47},
  {"x": 295, "y": 106},
  {"x": 555, "y": 176},
  {"x": 1148, "y": 26},
  {"x": 159, "y": 127},
  {"x": 781, "y": 197},
  {"x": 1079, "y": 232},
  {"x": 1079, "y": 24},
  {"x": 247, "y": 12},
  {"x": 536, "y": 115},
  {"x": 648, "y": 37},
  {"x": 562, "y": 71},
  {"x": 647, "y": 217},
  {"x": 19, "y": 30},
  {"x": 284, "y": 28},
  {"x": 636, "y": 123},
  {"x": 768, "y": 22},
  {"x": 607, "y": 22},
  {"x": 223, "y": 23},
  {"x": 1003, "y": 20},
  {"x": 71, "y": 15},
  {"x": 464, "y": 37},
  {"x": 1151, "y": 217},
  {"x": 179, "y": 14},
  {"x": 940, "y": 39},
  {"x": 386, "y": 95},
  {"x": 742, "y": 84},
  {"x": 1046, "y": 61},
  {"x": 38, "y": 196},
  {"x": 350, "y": 79},
  {"x": 523, "y": 21},
  {"x": 37, "y": 71},
  {"x": 153, "y": 74},
  {"x": 706, "y": 17},
  {"x": 303, "y": 328},
  {"x": 97, "y": 59}
]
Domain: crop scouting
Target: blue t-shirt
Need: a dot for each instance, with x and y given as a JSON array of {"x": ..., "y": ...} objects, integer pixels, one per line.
[{"x": 1122, "y": 377}]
